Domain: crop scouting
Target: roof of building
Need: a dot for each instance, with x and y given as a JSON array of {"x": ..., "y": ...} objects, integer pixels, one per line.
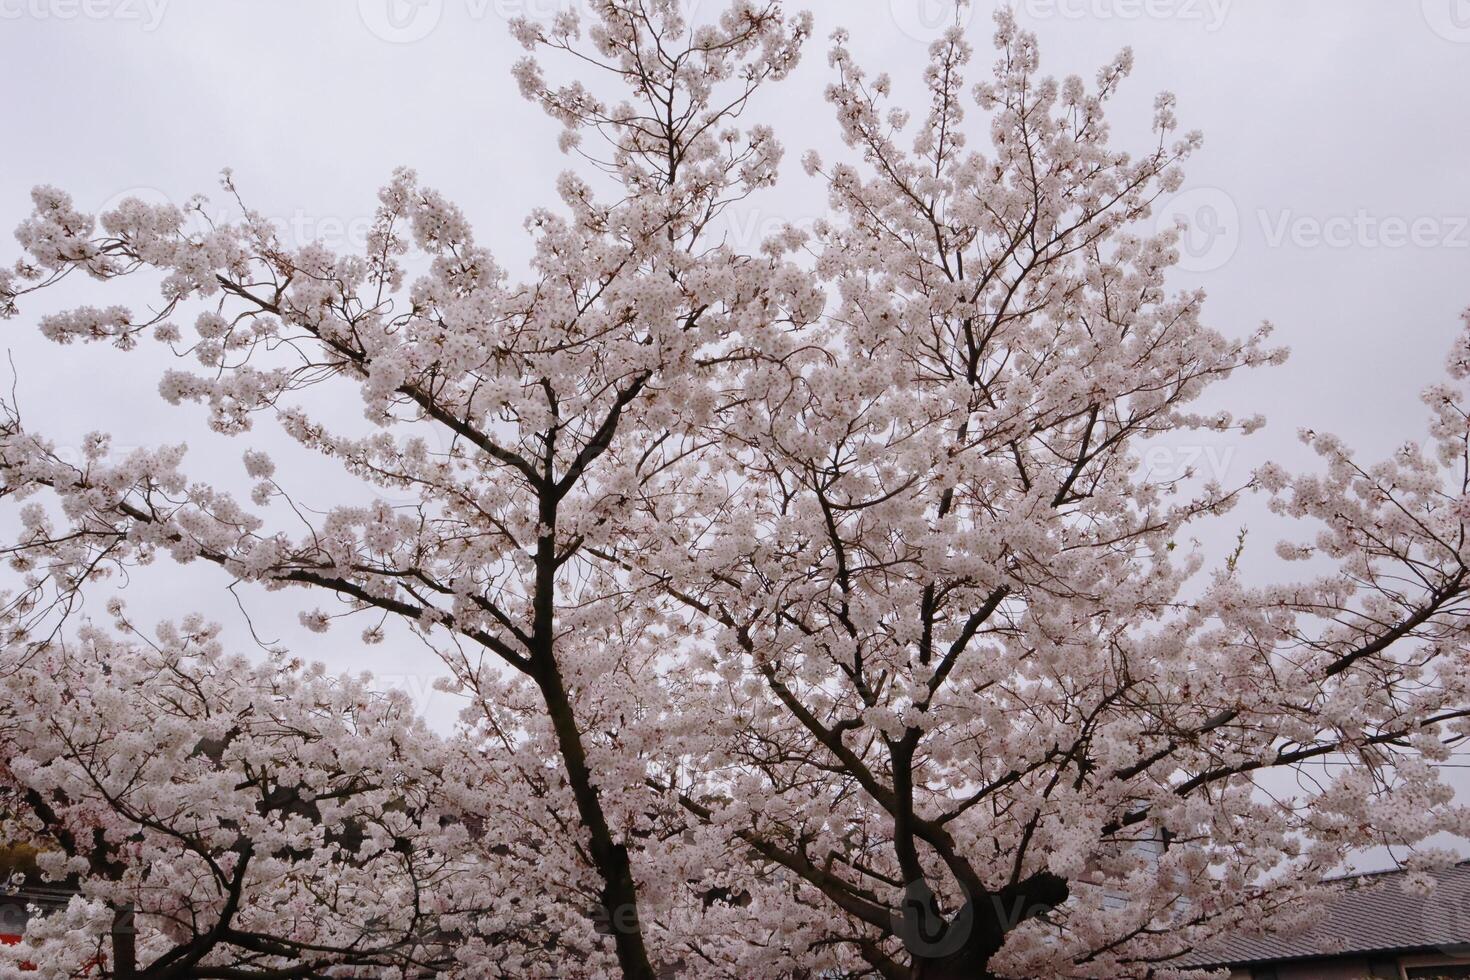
[{"x": 1369, "y": 913}]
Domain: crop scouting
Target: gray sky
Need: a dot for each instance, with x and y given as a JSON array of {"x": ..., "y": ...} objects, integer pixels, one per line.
[{"x": 1330, "y": 197}]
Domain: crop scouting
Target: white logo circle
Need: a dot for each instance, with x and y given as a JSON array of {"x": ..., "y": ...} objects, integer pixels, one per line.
[
  {"x": 1210, "y": 231},
  {"x": 148, "y": 195},
  {"x": 927, "y": 20},
  {"x": 401, "y": 21},
  {"x": 193, "y": 223},
  {"x": 1450, "y": 19}
]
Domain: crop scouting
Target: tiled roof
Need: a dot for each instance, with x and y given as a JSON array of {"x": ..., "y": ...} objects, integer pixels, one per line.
[{"x": 1368, "y": 914}]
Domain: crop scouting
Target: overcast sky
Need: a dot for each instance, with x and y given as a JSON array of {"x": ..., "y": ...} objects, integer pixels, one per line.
[{"x": 1331, "y": 197}]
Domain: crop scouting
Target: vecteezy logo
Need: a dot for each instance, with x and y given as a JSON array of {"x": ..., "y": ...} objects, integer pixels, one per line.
[
  {"x": 925, "y": 931},
  {"x": 148, "y": 195},
  {"x": 927, "y": 20},
  {"x": 1450, "y": 19},
  {"x": 401, "y": 21},
  {"x": 1209, "y": 224},
  {"x": 193, "y": 221}
]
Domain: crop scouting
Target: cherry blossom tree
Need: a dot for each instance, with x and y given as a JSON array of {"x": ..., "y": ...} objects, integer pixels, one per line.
[
  {"x": 813, "y": 612},
  {"x": 221, "y": 817},
  {"x": 947, "y": 593},
  {"x": 560, "y": 393}
]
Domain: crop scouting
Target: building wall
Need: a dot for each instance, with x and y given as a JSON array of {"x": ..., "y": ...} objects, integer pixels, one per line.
[{"x": 1346, "y": 968}]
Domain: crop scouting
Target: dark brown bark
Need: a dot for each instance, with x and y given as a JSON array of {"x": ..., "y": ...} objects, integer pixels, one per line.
[
  {"x": 619, "y": 912},
  {"x": 124, "y": 945},
  {"x": 619, "y": 899},
  {"x": 961, "y": 947}
]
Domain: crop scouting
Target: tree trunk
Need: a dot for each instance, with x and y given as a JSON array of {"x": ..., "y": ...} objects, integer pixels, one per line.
[
  {"x": 124, "y": 944},
  {"x": 962, "y": 948},
  {"x": 619, "y": 893}
]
